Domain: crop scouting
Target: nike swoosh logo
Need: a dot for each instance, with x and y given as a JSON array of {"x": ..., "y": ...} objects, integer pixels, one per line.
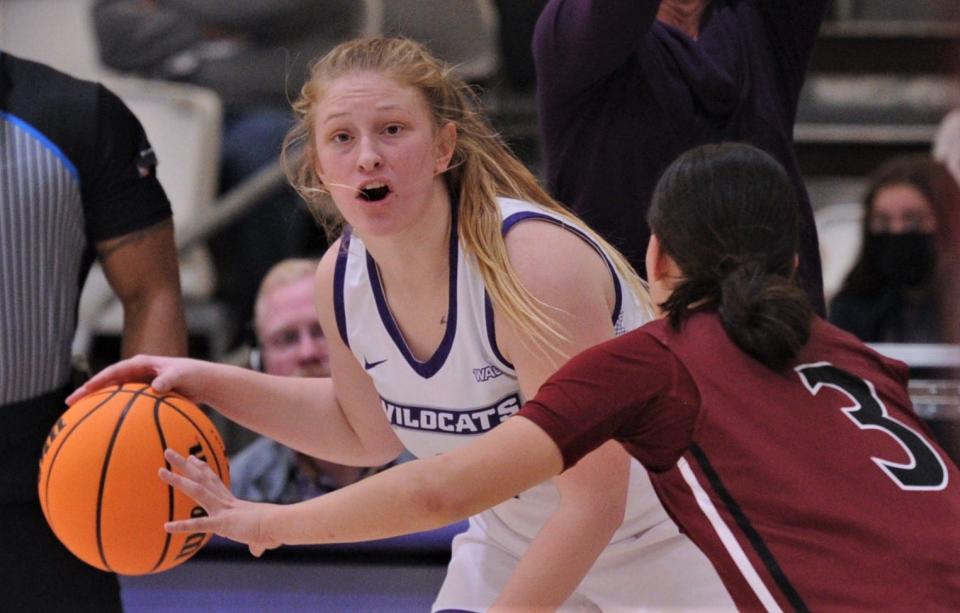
[{"x": 368, "y": 365}]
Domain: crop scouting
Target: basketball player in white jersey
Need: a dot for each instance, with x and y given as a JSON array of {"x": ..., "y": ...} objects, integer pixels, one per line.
[{"x": 457, "y": 288}]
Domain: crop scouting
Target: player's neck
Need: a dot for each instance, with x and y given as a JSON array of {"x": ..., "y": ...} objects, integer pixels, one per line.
[
  {"x": 684, "y": 15},
  {"x": 419, "y": 254},
  {"x": 418, "y": 263}
]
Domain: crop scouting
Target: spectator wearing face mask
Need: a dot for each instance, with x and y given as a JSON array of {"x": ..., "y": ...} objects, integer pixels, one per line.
[{"x": 895, "y": 292}]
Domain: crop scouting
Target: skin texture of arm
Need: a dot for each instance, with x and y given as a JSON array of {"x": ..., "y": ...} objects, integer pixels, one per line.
[
  {"x": 512, "y": 458},
  {"x": 605, "y": 31},
  {"x": 422, "y": 494},
  {"x": 339, "y": 422},
  {"x": 561, "y": 270},
  {"x": 141, "y": 267}
]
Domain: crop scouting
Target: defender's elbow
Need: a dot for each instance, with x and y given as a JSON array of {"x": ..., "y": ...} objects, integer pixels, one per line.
[{"x": 441, "y": 491}]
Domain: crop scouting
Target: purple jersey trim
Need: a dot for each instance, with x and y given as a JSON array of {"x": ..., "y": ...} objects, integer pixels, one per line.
[
  {"x": 508, "y": 224},
  {"x": 435, "y": 362},
  {"x": 492, "y": 331},
  {"x": 339, "y": 273}
]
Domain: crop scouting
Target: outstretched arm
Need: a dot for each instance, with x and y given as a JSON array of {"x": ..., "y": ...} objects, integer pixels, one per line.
[
  {"x": 410, "y": 497},
  {"x": 337, "y": 419},
  {"x": 591, "y": 399}
]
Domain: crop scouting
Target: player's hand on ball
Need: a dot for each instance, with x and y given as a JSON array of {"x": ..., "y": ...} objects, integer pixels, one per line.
[
  {"x": 164, "y": 374},
  {"x": 227, "y": 515}
]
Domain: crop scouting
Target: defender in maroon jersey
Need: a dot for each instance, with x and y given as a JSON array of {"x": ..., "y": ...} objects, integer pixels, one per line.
[{"x": 784, "y": 447}]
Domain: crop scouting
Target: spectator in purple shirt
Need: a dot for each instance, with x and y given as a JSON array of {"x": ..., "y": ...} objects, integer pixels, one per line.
[{"x": 625, "y": 86}]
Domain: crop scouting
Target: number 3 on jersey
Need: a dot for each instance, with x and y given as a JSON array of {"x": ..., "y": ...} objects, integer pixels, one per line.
[{"x": 924, "y": 471}]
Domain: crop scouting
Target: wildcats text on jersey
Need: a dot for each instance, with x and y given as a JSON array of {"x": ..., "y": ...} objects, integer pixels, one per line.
[
  {"x": 486, "y": 373},
  {"x": 464, "y": 421}
]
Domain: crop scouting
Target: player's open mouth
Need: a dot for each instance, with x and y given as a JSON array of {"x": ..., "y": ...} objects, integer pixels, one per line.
[{"x": 374, "y": 192}]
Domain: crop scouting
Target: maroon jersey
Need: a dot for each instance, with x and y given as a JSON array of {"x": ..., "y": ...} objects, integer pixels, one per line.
[{"x": 817, "y": 487}]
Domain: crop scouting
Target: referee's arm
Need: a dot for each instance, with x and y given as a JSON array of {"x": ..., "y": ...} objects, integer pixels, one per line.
[{"x": 141, "y": 267}]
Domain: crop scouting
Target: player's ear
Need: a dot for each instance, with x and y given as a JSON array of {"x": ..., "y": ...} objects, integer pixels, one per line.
[
  {"x": 446, "y": 143},
  {"x": 653, "y": 260},
  {"x": 660, "y": 265}
]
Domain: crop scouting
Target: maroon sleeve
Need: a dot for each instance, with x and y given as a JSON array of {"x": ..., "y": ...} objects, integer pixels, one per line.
[{"x": 630, "y": 388}]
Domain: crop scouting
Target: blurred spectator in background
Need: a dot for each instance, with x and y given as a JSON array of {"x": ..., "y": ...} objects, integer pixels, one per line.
[
  {"x": 946, "y": 149},
  {"x": 290, "y": 343},
  {"x": 897, "y": 289},
  {"x": 254, "y": 54},
  {"x": 946, "y": 143},
  {"x": 625, "y": 86},
  {"x": 77, "y": 184}
]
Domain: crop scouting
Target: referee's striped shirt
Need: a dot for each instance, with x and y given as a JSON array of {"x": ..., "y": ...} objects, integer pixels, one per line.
[{"x": 75, "y": 168}]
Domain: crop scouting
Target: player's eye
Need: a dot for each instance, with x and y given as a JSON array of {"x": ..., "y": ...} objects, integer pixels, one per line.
[{"x": 393, "y": 129}]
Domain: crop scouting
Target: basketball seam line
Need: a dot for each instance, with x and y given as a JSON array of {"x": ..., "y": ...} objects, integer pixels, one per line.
[
  {"x": 103, "y": 474},
  {"x": 170, "y": 493},
  {"x": 67, "y": 435}
]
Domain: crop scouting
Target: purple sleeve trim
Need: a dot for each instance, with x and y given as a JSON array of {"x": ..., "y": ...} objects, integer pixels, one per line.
[
  {"x": 516, "y": 218},
  {"x": 339, "y": 272}
]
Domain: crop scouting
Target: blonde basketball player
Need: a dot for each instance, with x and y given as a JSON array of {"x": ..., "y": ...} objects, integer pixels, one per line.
[{"x": 456, "y": 289}]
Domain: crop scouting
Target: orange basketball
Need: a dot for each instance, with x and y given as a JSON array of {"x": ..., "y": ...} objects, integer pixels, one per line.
[{"x": 99, "y": 487}]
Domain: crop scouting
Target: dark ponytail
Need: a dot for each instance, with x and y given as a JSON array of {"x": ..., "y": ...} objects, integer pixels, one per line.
[
  {"x": 727, "y": 215},
  {"x": 766, "y": 315}
]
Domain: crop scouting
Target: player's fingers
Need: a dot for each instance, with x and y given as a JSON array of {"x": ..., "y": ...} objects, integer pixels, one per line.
[
  {"x": 138, "y": 368},
  {"x": 197, "y": 524},
  {"x": 210, "y": 479},
  {"x": 176, "y": 460},
  {"x": 200, "y": 472},
  {"x": 162, "y": 384},
  {"x": 190, "y": 465},
  {"x": 166, "y": 379},
  {"x": 191, "y": 488},
  {"x": 257, "y": 550}
]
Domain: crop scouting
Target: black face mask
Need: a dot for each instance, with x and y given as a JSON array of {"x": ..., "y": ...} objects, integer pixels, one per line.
[{"x": 903, "y": 260}]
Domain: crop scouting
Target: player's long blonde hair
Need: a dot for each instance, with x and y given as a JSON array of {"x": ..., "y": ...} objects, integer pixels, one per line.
[{"x": 482, "y": 168}]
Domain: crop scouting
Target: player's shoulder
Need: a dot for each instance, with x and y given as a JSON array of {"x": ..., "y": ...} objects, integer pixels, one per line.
[
  {"x": 846, "y": 350},
  {"x": 327, "y": 270},
  {"x": 544, "y": 248}
]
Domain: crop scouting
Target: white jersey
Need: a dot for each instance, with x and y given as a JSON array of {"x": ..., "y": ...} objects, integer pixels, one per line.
[{"x": 467, "y": 387}]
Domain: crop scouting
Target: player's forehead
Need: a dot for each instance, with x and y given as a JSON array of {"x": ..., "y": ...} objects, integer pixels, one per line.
[{"x": 363, "y": 93}]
